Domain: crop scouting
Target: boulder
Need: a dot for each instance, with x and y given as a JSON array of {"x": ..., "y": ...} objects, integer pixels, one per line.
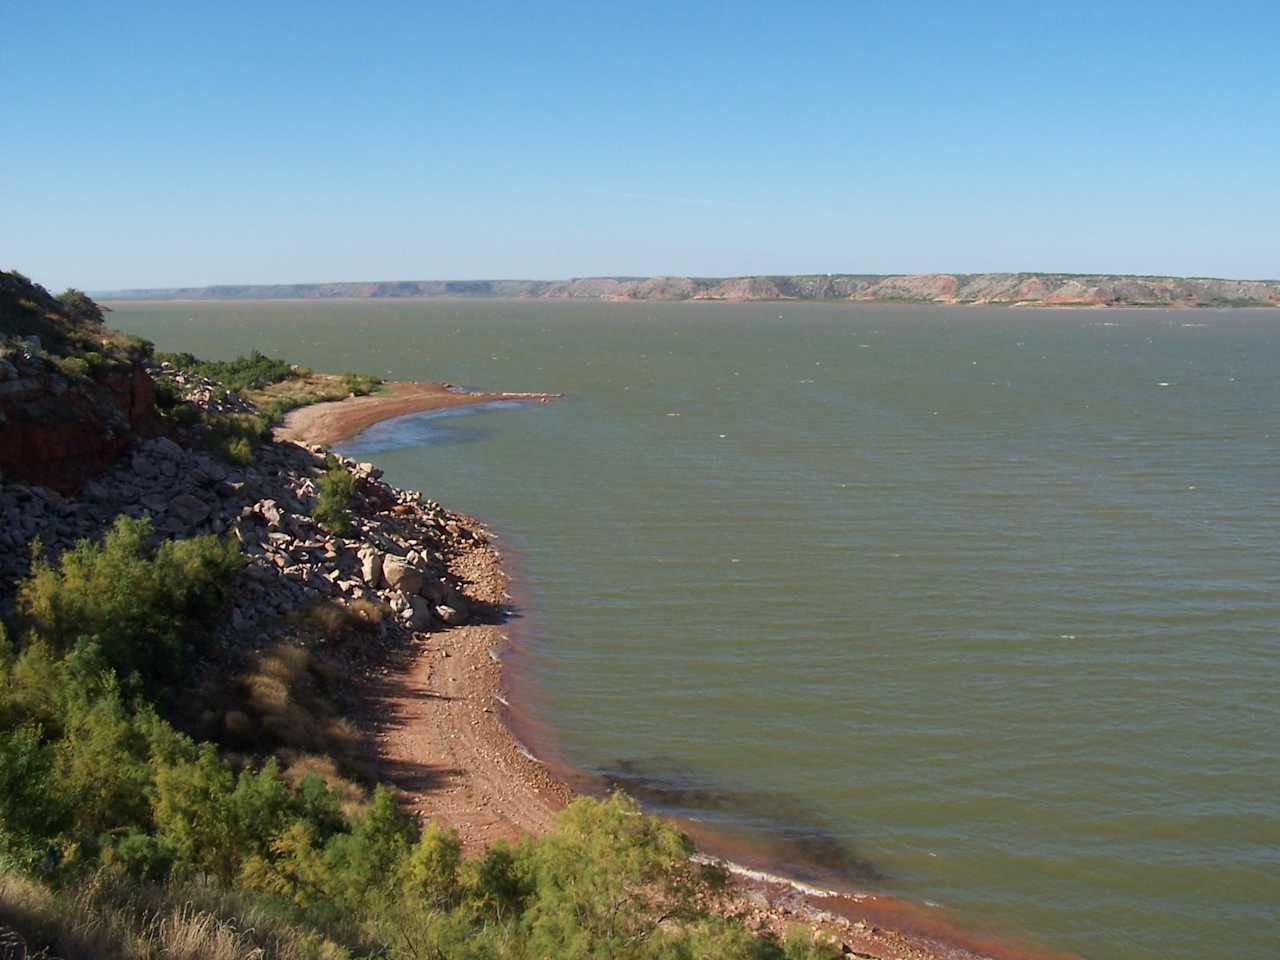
[
  {"x": 451, "y": 615},
  {"x": 190, "y": 510},
  {"x": 270, "y": 512},
  {"x": 155, "y": 502},
  {"x": 401, "y": 576},
  {"x": 435, "y": 589},
  {"x": 420, "y": 617},
  {"x": 164, "y": 447},
  {"x": 371, "y": 568}
]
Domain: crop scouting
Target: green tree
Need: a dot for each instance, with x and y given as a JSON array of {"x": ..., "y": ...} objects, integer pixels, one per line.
[
  {"x": 80, "y": 307},
  {"x": 337, "y": 489},
  {"x": 136, "y": 609}
]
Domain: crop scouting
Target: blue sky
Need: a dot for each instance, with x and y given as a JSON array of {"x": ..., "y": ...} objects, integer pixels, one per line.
[{"x": 182, "y": 144}]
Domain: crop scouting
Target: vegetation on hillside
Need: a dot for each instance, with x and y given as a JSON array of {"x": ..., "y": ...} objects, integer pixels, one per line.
[
  {"x": 243, "y": 373},
  {"x": 69, "y": 329},
  {"x": 336, "y": 489},
  {"x": 272, "y": 385},
  {"x": 121, "y": 836}
]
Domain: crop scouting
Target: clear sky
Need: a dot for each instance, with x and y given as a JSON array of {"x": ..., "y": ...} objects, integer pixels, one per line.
[{"x": 179, "y": 144}]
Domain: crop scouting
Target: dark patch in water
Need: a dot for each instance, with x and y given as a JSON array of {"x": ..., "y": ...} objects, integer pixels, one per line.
[
  {"x": 782, "y": 828},
  {"x": 427, "y": 429}
]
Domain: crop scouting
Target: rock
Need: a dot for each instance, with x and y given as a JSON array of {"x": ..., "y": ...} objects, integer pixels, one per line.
[
  {"x": 269, "y": 511},
  {"x": 371, "y": 568},
  {"x": 155, "y": 502},
  {"x": 143, "y": 466},
  {"x": 451, "y": 615},
  {"x": 435, "y": 589},
  {"x": 420, "y": 614},
  {"x": 164, "y": 447},
  {"x": 190, "y": 510},
  {"x": 401, "y": 576}
]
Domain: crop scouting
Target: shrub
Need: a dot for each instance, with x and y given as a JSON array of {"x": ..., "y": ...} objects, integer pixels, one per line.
[
  {"x": 243, "y": 373},
  {"x": 234, "y": 435},
  {"x": 136, "y": 609},
  {"x": 360, "y": 384},
  {"x": 80, "y": 307},
  {"x": 74, "y": 368},
  {"x": 337, "y": 488},
  {"x": 430, "y": 871},
  {"x": 167, "y": 396},
  {"x": 30, "y": 815}
]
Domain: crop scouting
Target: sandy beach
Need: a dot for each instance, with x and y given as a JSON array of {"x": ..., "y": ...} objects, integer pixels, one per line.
[{"x": 336, "y": 420}]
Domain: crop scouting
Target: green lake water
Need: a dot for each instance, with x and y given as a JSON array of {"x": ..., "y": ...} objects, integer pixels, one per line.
[{"x": 977, "y": 607}]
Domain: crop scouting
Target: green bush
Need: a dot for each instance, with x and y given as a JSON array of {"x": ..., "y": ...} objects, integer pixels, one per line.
[
  {"x": 80, "y": 307},
  {"x": 74, "y": 368},
  {"x": 360, "y": 384},
  {"x": 243, "y": 373},
  {"x": 137, "y": 609},
  {"x": 233, "y": 436},
  {"x": 167, "y": 396},
  {"x": 337, "y": 487}
]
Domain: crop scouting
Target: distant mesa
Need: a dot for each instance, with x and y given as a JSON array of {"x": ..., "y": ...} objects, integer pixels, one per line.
[{"x": 1006, "y": 289}]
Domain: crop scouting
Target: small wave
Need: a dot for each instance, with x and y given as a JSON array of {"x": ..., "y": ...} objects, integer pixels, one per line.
[
  {"x": 526, "y": 752},
  {"x": 763, "y": 876}
]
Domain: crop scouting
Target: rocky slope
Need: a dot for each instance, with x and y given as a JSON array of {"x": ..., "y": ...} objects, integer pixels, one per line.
[
  {"x": 396, "y": 556},
  {"x": 1027, "y": 289}
]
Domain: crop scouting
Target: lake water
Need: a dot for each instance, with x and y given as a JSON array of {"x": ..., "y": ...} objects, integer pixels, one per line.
[{"x": 978, "y": 607}]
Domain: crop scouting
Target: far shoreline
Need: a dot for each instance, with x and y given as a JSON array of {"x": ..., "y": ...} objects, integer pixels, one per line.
[{"x": 146, "y": 302}]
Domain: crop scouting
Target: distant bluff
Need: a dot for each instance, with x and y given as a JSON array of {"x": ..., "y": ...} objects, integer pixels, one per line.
[{"x": 1010, "y": 289}]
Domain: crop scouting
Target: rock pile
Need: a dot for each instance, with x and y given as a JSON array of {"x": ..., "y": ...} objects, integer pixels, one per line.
[
  {"x": 209, "y": 395},
  {"x": 396, "y": 555}
]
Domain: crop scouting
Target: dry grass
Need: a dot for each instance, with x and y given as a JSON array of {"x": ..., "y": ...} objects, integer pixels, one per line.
[
  {"x": 311, "y": 388},
  {"x": 345, "y": 623},
  {"x": 104, "y": 923},
  {"x": 285, "y": 703}
]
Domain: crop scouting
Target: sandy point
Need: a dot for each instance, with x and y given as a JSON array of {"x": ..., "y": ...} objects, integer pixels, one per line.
[{"x": 338, "y": 420}]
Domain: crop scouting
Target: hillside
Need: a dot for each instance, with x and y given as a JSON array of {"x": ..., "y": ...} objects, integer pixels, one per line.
[{"x": 1006, "y": 289}]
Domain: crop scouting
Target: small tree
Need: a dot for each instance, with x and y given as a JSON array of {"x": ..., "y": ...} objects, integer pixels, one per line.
[
  {"x": 80, "y": 307},
  {"x": 332, "y": 508}
]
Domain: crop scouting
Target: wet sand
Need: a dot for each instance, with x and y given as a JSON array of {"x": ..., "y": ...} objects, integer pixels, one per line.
[{"x": 336, "y": 420}]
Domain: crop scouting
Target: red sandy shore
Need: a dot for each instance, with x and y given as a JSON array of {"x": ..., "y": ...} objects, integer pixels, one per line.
[{"x": 327, "y": 423}]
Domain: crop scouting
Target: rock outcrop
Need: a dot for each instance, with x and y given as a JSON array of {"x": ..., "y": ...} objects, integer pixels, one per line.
[
  {"x": 59, "y": 430},
  {"x": 73, "y": 394}
]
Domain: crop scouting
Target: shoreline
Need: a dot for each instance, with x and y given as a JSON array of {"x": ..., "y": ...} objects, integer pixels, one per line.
[
  {"x": 333, "y": 421},
  {"x": 450, "y": 734}
]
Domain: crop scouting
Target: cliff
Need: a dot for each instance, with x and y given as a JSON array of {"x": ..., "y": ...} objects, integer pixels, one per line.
[
  {"x": 1008, "y": 289},
  {"x": 74, "y": 394}
]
